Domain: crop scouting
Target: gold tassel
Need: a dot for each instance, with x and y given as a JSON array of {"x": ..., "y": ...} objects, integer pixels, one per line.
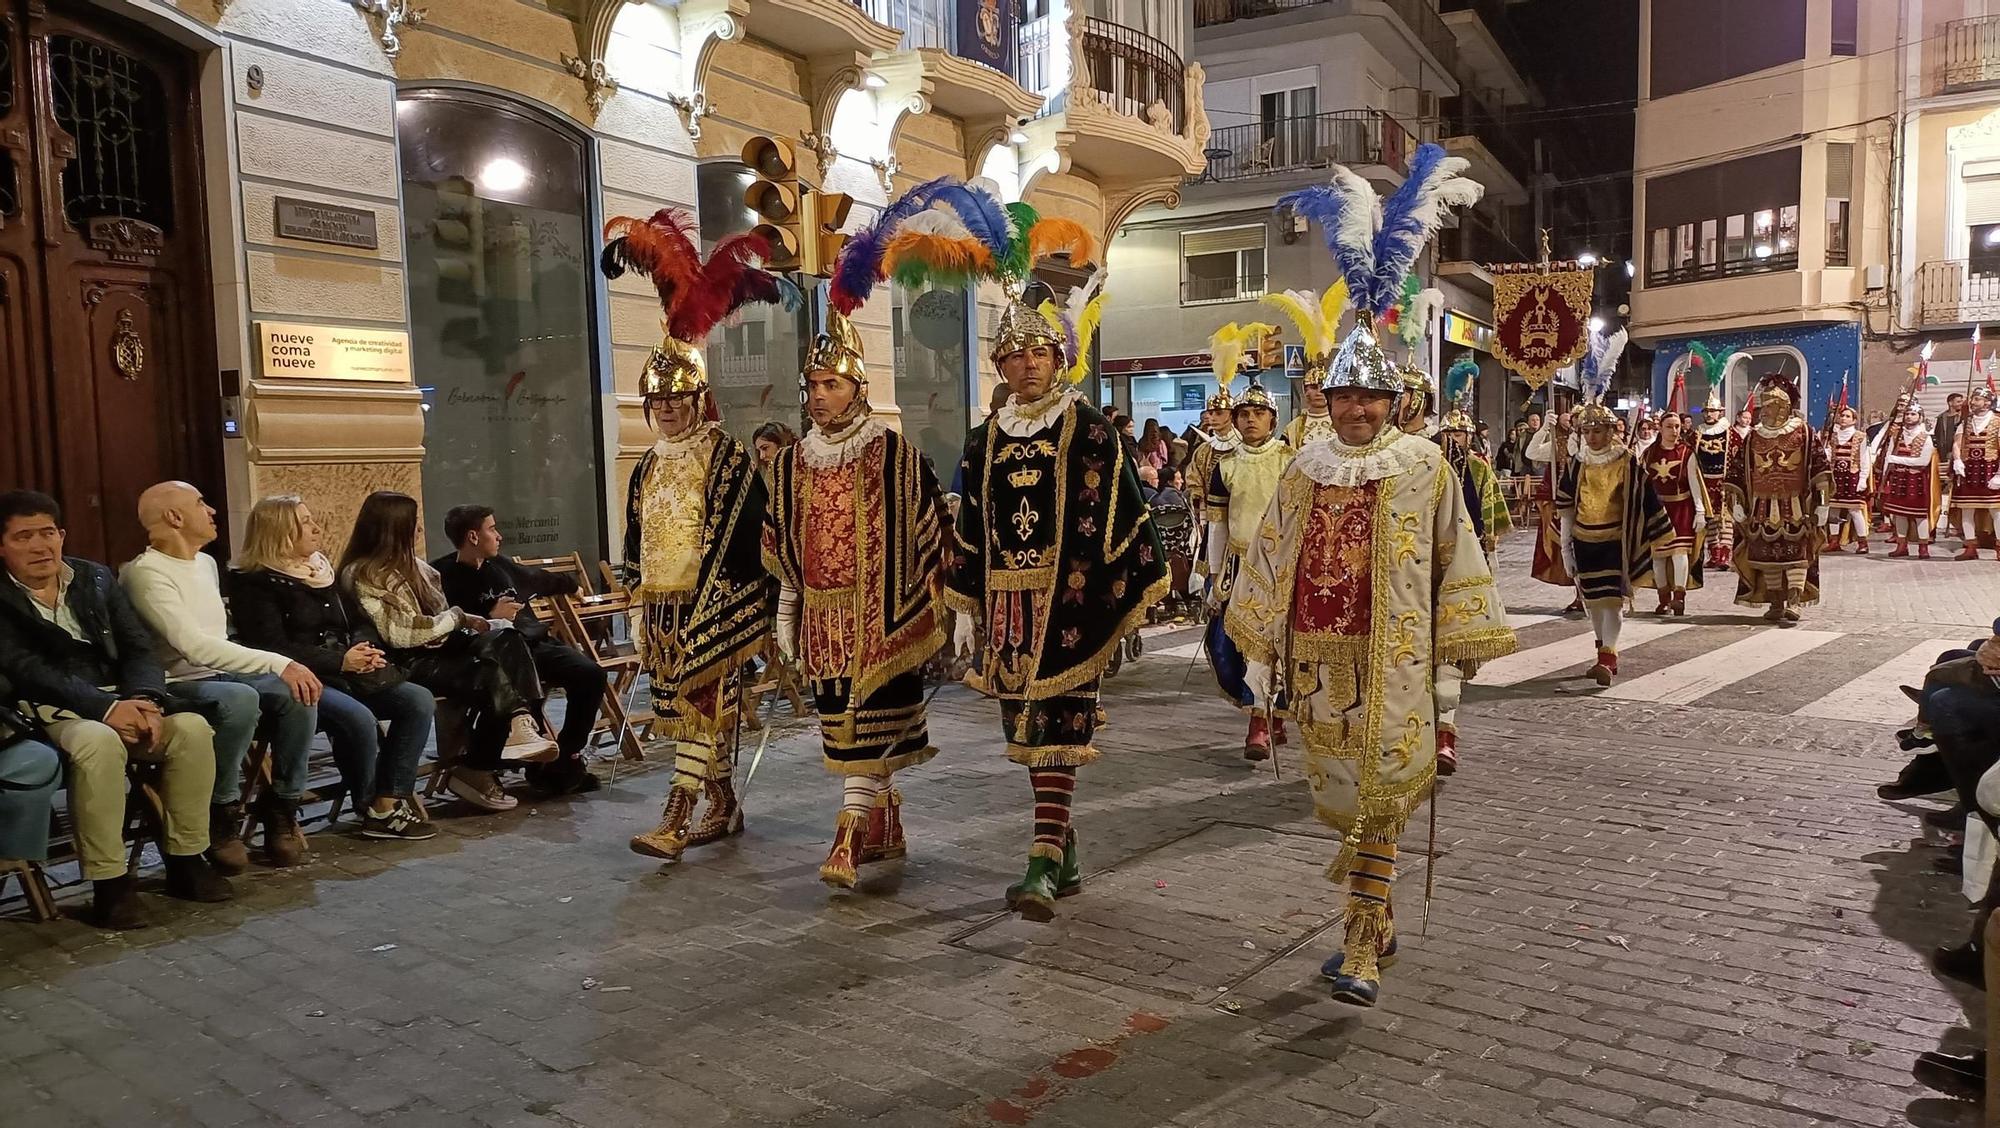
[
  {"x": 1343, "y": 863},
  {"x": 1367, "y": 931}
]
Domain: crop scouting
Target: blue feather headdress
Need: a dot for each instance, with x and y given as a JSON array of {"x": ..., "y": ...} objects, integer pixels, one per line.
[
  {"x": 1376, "y": 242},
  {"x": 1458, "y": 380}
]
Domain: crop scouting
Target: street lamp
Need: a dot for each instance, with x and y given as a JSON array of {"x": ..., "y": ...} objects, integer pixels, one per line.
[
  {"x": 1597, "y": 325},
  {"x": 1587, "y": 258}
]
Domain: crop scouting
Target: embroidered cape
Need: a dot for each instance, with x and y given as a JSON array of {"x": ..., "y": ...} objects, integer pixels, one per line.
[
  {"x": 1056, "y": 549},
  {"x": 1613, "y": 557},
  {"x": 689, "y": 645},
  {"x": 860, "y": 542}
]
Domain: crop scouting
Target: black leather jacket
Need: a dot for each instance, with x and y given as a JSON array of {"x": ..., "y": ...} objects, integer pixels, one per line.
[{"x": 50, "y": 668}]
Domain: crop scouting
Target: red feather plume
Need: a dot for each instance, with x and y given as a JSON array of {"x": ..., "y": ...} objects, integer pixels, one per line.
[
  {"x": 664, "y": 248},
  {"x": 729, "y": 279}
]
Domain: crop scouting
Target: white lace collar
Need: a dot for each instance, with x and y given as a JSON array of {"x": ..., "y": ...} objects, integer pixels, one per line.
[
  {"x": 1790, "y": 425},
  {"x": 1268, "y": 446},
  {"x": 1021, "y": 420},
  {"x": 685, "y": 445},
  {"x": 1225, "y": 442},
  {"x": 823, "y": 451},
  {"x": 1978, "y": 422},
  {"x": 1844, "y": 435},
  {"x": 1710, "y": 430},
  {"x": 1612, "y": 452},
  {"x": 1330, "y": 462}
]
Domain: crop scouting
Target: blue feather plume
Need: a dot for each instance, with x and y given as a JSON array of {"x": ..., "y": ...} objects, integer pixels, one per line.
[
  {"x": 859, "y": 266},
  {"x": 1459, "y": 377},
  {"x": 1346, "y": 213},
  {"x": 1414, "y": 213}
]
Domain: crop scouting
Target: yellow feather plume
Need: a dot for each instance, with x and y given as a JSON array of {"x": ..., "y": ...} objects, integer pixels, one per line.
[
  {"x": 1226, "y": 346},
  {"x": 1053, "y": 234},
  {"x": 1332, "y": 305},
  {"x": 1086, "y": 332},
  {"x": 1298, "y": 305}
]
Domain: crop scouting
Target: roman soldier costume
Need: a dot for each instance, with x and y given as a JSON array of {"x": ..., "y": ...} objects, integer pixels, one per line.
[
  {"x": 1239, "y": 492},
  {"x": 1675, "y": 476},
  {"x": 1365, "y": 600},
  {"x": 1054, "y": 549},
  {"x": 855, "y": 538},
  {"x": 1484, "y": 501},
  {"x": 1911, "y": 486},
  {"x": 1612, "y": 518},
  {"x": 1714, "y": 442},
  {"x": 1201, "y": 466},
  {"x": 692, "y": 518},
  {"x": 1550, "y": 451},
  {"x": 1777, "y": 492},
  {"x": 1975, "y": 470},
  {"x": 1847, "y": 517}
]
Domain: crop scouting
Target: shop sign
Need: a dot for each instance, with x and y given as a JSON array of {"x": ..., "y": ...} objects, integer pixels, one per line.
[
  {"x": 1541, "y": 312},
  {"x": 1468, "y": 332},
  {"x": 1193, "y": 398},
  {"x": 333, "y": 352},
  {"x": 1138, "y": 365},
  {"x": 327, "y": 223}
]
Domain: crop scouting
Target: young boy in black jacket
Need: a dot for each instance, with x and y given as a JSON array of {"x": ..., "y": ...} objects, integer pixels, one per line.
[{"x": 476, "y": 577}]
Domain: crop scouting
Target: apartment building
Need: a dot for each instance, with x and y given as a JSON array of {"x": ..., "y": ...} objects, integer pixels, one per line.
[
  {"x": 1293, "y": 87},
  {"x": 331, "y": 246},
  {"x": 1765, "y": 187}
]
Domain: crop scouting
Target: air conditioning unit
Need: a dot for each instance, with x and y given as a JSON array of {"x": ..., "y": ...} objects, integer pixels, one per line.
[
  {"x": 1430, "y": 107},
  {"x": 1876, "y": 277}
]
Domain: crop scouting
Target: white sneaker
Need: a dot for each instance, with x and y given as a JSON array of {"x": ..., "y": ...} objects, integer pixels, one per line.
[
  {"x": 526, "y": 743},
  {"x": 480, "y": 789}
]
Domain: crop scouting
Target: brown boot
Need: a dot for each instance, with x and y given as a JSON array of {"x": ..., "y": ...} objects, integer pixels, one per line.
[
  {"x": 226, "y": 851},
  {"x": 1257, "y": 742},
  {"x": 1924, "y": 551},
  {"x": 885, "y": 840},
  {"x": 1902, "y": 548},
  {"x": 1680, "y": 602},
  {"x": 284, "y": 842},
  {"x": 1969, "y": 552},
  {"x": 839, "y": 869},
  {"x": 724, "y": 816},
  {"x": 669, "y": 838}
]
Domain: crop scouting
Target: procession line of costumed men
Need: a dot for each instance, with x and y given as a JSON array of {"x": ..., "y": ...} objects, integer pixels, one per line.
[
  {"x": 1902, "y": 475},
  {"x": 1358, "y": 598}
]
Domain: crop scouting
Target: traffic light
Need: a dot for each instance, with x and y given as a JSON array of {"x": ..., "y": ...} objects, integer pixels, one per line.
[
  {"x": 775, "y": 196},
  {"x": 829, "y": 211},
  {"x": 1271, "y": 350}
]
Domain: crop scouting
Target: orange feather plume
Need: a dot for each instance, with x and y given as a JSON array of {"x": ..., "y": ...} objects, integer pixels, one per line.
[{"x": 1053, "y": 235}]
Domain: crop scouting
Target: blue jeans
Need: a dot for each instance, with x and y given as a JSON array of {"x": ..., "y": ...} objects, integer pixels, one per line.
[
  {"x": 243, "y": 703},
  {"x": 30, "y": 772},
  {"x": 375, "y": 765}
]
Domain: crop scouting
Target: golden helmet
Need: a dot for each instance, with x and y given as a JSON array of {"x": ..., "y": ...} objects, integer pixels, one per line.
[
  {"x": 1595, "y": 414},
  {"x": 1221, "y": 400},
  {"x": 1256, "y": 395},
  {"x": 838, "y": 350},
  {"x": 1458, "y": 419},
  {"x": 1022, "y": 326},
  {"x": 1714, "y": 402},
  {"x": 673, "y": 368}
]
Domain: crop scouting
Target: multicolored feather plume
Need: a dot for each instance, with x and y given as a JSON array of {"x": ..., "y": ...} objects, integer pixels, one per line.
[
  {"x": 1601, "y": 362},
  {"x": 860, "y": 266},
  {"x": 1079, "y": 318},
  {"x": 1415, "y": 213},
  {"x": 1348, "y": 213}
]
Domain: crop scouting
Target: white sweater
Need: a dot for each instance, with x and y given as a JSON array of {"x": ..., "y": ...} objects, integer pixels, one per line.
[{"x": 182, "y": 601}]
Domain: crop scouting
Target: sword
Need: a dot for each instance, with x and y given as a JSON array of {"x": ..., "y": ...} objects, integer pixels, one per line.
[{"x": 1430, "y": 870}]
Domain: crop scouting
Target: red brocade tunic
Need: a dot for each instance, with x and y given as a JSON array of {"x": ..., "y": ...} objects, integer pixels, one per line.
[
  {"x": 1675, "y": 477},
  {"x": 1334, "y": 592},
  {"x": 1548, "y": 561},
  {"x": 1850, "y": 463},
  {"x": 1911, "y": 491},
  {"x": 1979, "y": 449}
]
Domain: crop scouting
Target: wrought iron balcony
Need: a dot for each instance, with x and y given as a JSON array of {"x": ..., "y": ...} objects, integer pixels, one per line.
[
  {"x": 1969, "y": 56},
  {"x": 1349, "y": 137},
  {"x": 1130, "y": 71},
  {"x": 1958, "y": 292},
  {"x": 1418, "y": 15}
]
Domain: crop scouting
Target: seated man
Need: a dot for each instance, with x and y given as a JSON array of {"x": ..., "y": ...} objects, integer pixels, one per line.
[
  {"x": 80, "y": 657},
  {"x": 175, "y": 588},
  {"x": 475, "y": 578},
  {"x": 30, "y": 772},
  {"x": 1926, "y": 774}
]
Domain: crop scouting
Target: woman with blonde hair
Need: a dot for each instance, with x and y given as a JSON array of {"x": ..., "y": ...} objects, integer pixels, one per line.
[
  {"x": 283, "y": 599},
  {"x": 481, "y": 662}
]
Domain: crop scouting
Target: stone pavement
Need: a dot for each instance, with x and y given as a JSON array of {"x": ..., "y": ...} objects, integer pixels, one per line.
[{"x": 1644, "y": 914}]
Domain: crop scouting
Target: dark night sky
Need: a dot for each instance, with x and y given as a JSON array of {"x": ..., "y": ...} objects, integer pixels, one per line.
[{"x": 1584, "y": 57}]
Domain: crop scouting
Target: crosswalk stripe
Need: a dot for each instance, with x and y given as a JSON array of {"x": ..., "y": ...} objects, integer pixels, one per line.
[
  {"x": 1525, "y": 619},
  {"x": 1684, "y": 683},
  {"x": 1874, "y": 696},
  {"x": 1576, "y": 650}
]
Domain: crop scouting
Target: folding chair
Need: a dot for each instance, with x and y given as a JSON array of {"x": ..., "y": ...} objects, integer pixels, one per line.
[
  {"x": 591, "y": 623},
  {"x": 453, "y": 735}
]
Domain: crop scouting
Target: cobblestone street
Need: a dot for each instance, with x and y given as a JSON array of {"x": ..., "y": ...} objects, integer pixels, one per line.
[{"x": 1676, "y": 904}]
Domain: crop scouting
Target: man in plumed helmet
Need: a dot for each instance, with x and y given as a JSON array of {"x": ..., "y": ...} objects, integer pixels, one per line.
[
  {"x": 1778, "y": 489},
  {"x": 1365, "y": 600}
]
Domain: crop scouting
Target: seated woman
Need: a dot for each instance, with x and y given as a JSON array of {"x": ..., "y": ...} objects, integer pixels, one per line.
[
  {"x": 283, "y": 599},
  {"x": 482, "y": 663}
]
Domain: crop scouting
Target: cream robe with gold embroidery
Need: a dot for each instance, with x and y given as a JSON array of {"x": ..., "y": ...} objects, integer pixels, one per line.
[{"x": 1370, "y": 704}]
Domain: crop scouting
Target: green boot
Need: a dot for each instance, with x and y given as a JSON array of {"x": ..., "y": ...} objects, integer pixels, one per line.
[
  {"x": 1034, "y": 896},
  {"x": 1069, "y": 880}
]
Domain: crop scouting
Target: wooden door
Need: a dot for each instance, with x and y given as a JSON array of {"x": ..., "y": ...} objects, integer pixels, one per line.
[{"x": 106, "y": 335}]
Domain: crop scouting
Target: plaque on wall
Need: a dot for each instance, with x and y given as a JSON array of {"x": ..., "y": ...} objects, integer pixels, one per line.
[
  {"x": 326, "y": 223},
  {"x": 333, "y": 352}
]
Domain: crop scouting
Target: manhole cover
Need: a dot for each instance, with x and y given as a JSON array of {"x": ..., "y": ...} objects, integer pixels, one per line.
[{"x": 1191, "y": 919}]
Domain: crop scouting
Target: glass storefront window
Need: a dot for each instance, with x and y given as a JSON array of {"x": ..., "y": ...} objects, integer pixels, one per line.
[
  {"x": 933, "y": 377},
  {"x": 502, "y": 277}
]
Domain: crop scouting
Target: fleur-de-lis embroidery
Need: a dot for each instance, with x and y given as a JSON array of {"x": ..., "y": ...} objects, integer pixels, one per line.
[{"x": 1025, "y": 519}]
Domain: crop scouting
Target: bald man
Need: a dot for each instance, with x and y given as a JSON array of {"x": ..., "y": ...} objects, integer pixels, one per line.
[{"x": 175, "y": 587}]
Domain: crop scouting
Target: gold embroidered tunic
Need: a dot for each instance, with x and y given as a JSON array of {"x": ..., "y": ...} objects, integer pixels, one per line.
[{"x": 1365, "y": 580}]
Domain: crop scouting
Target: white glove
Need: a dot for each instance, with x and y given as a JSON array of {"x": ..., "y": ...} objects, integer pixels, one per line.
[
  {"x": 1819, "y": 515},
  {"x": 1958, "y": 467},
  {"x": 1993, "y": 483},
  {"x": 1257, "y": 677},
  {"x": 1569, "y": 543},
  {"x": 1217, "y": 547},
  {"x": 961, "y": 636},
  {"x": 788, "y": 624},
  {"x": 1737, "y": 511}
]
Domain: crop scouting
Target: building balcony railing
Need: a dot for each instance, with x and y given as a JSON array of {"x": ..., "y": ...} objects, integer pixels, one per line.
[
  {"x": 933, "y": 24},
  {"x": 1130, "y": 71},
  {"x": 1957, "y": 292},
  {"x": 1730, "y": 268},
  {"x": 1200, "y": 291},
  {"x": 1970, "y": 58},
  {"x": 1417, "y": 15},
  {"x": 1349, "y": 137}
]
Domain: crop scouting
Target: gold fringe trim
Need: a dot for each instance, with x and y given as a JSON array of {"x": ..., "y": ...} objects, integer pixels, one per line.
[
  {"x": 962, "y": 604},
  {"x": 1342, "y": 865},
  {"x": 847, "y": 819},
  {"x": 1367, "y": 932},
  {"x": 1044, "y": 850},
  {"x": 880, "y": 767},
  {"x": 1478, "y": 646},
  {"x": 1052, "y": 755},
  {"x": 1093, "y": 667}
]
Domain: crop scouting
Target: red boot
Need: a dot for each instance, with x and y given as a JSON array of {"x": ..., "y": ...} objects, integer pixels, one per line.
[
  {"x": 1447, "y": 752},
  {"x": 1279, "y": 736},
  {"x": 1606, "y": 668},
  {"x": 1257, "y": 744},
  {"x": 1924, "y": 551},
  {"x": 1862, "y": 548},
  {"x": 1902, "y": 548},
  {"x": 1969, "y": 552}
]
